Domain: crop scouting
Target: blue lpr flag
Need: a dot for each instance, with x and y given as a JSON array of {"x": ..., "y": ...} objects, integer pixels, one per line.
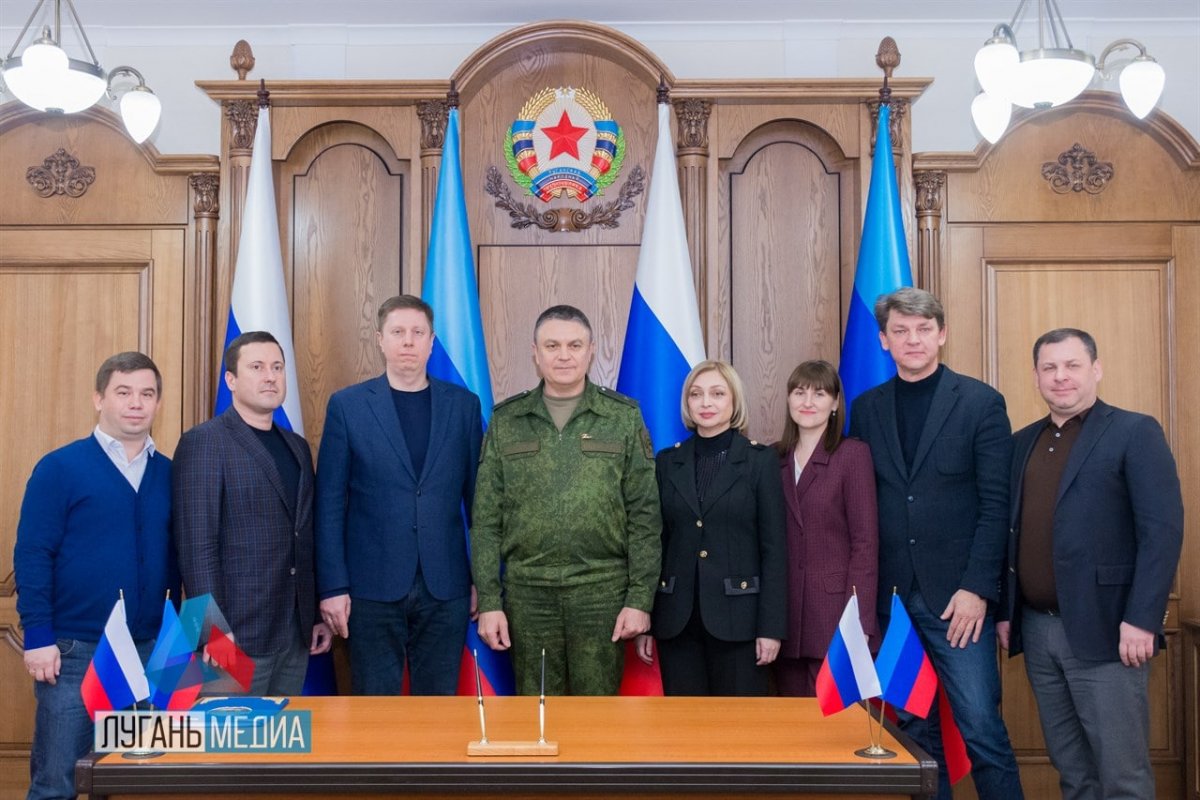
[
  {"x": 882, "y": 267},
  {"x": 459, "y": 355},
  {"x": 905, "y": 671}
]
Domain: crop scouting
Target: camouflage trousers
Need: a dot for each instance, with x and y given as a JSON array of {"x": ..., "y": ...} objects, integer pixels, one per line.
[{"x": 574, "y": 624}]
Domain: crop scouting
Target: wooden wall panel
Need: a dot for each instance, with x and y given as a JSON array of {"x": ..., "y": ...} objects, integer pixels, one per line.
[
  {"x": 779, "y": 286},
  {"x": 518, "y": 283},
  {"x": 1122, "y": 304},
  {"x": 344, "y": 203},
  {"x": 1122, "y": 261}
]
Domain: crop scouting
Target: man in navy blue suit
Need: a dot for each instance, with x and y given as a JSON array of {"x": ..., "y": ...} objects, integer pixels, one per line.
[
  {"x": 941, "y": 444},
  {"x": 396, "y": 469},
  {"x": 1095, "y": 534}
]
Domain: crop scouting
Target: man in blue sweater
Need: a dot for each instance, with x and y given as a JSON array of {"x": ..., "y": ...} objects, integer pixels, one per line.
[{"x": 95, "y": 522}]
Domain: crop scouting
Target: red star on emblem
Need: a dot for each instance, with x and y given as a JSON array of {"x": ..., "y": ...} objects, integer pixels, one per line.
[{"x": 564, "y": 137}]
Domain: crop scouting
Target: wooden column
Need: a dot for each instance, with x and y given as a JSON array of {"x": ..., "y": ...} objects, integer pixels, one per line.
[
  {"x": 692, "y": 115},
  {"x": 930, "y": 187},
  {"x": 433, "y": 115},
  {"x": 198, "y": 349},
  {"x": 238, "y": 138}
]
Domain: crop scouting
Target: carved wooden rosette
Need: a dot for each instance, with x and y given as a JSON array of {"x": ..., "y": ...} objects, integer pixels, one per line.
[
  {"x": 930, "y": 186},
  {"x": 1078, "y": 170},
  {"x": 60, "y": 173},
  {"x": 693, "y": 114},
  {"x": 433, "y": 115}
]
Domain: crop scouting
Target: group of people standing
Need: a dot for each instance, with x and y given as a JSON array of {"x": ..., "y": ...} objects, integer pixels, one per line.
[{"x": 730, "y": 559}]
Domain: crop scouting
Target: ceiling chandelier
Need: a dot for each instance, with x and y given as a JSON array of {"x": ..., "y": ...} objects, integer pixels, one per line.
[
  {"x": 1054, "y": 72},
  {"x": 45, "y": 78}
]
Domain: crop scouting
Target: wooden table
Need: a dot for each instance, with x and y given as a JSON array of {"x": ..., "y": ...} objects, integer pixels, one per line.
[{"x": 632, "y": 746}]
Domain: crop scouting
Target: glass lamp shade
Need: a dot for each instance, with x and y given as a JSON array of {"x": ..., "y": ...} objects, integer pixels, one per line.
[
  {"x": 994, "y": 66},
  {"x": 991, "y": 115},
  {"x": 1141, "y": 85},
  {"x": 140, "y": 111},
  {"x": 49, "y": 83},
  {"x": 1050, "y": 77}
]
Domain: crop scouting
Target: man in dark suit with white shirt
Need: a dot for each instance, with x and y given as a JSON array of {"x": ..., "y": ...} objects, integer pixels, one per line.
[
  {"x": 396, "y": 469},
  {"x": 941, "y": 442},
  {"x": 242, "y": 505},
  {"x": 1095, "y": 535}
]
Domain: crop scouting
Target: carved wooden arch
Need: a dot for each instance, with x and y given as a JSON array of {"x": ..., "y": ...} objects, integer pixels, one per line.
[
  {"x": 15, "y": 113},
  {"x": 508, "y": 48},
  {"x": 822, "y": 144},
  {"x": 392, "y": 134},
  {"x": 1159, "y": 125}
]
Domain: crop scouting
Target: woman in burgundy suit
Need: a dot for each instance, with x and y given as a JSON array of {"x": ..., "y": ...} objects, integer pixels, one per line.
[{"x": 832, "y": 525}]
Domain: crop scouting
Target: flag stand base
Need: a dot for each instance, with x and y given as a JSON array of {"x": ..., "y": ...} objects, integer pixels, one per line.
[
  {"x": 875, "y": 751},
  {"x": 493, "y": 749},
  {"x": 138, "y": 755}
]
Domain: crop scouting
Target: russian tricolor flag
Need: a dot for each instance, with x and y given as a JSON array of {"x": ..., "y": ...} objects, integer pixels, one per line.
[
  {"x": 663, "y": 340},
  {"x": 882, "y": 267},
  {"x": 905, "y": 671},
  {"x": 259, "y": 299},
  {"x": 459, "y": 354},
  {"x": 847, "y": 674},
  {"x": 115, "y": 679}
]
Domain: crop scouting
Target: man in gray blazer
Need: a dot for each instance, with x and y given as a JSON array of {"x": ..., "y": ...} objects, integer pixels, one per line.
[
  {"x": 1096, "y": 530},
  {"x": 242, "y": 502},
  {"x": 941, "y": 442},
  {"x": 396, "y": 470}
]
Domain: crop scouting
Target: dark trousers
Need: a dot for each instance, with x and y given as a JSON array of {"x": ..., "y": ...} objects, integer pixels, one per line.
[
  {"x": 421, "y": 632},
  {"x": 1095, "y": 715},
  {"x": 697, "y": 663},
  {"x": 797, "y": 677}
]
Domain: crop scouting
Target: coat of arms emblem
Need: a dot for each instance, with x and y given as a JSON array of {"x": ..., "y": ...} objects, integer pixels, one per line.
[{"x": 564, "y": 144}]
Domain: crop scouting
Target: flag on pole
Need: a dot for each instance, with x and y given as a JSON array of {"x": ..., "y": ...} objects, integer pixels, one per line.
[
  {"x": 459, "y": 355},
  {"x": 171, "y": 672},
  {"x": 663, "y": 339},
  {"x": 847, "y": 675},
  {"x": 882, "y": 267},
  {"x": 259, "y": 299},
  {"x": 905, "y": 672},
  {"x": 115, "y": 679}
]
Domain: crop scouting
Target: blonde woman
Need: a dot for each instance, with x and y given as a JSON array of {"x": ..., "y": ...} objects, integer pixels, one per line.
[{"x": 721, "y": 608}]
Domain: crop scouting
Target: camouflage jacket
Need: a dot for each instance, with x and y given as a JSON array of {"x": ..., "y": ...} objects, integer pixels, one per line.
[{"x": 570, "y": 508}]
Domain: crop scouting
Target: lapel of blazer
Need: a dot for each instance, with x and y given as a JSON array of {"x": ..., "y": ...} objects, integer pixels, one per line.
[
  {"x": 791, "y": 495},
  {"x": 380, "y": 401},
  {"x": 1094, "y": 426},
  {"x": 683, "y": 473},
  {"x": 439, "y": 420},
  {"x": 241, "y": 434},
  {"x": 818, "y": 462},
  {"x": 944, "y": 398},
  {"x": 1022, "y": 450},
  {"x": 729, "y": 472},
  {"x": 883, "y": 406}
]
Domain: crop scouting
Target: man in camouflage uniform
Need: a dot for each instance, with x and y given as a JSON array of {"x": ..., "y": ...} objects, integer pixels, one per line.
[{"x": 566, "y": 500}]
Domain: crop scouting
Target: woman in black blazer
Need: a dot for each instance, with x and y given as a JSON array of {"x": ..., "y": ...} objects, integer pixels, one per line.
[{"x": 721, "y": 607}]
